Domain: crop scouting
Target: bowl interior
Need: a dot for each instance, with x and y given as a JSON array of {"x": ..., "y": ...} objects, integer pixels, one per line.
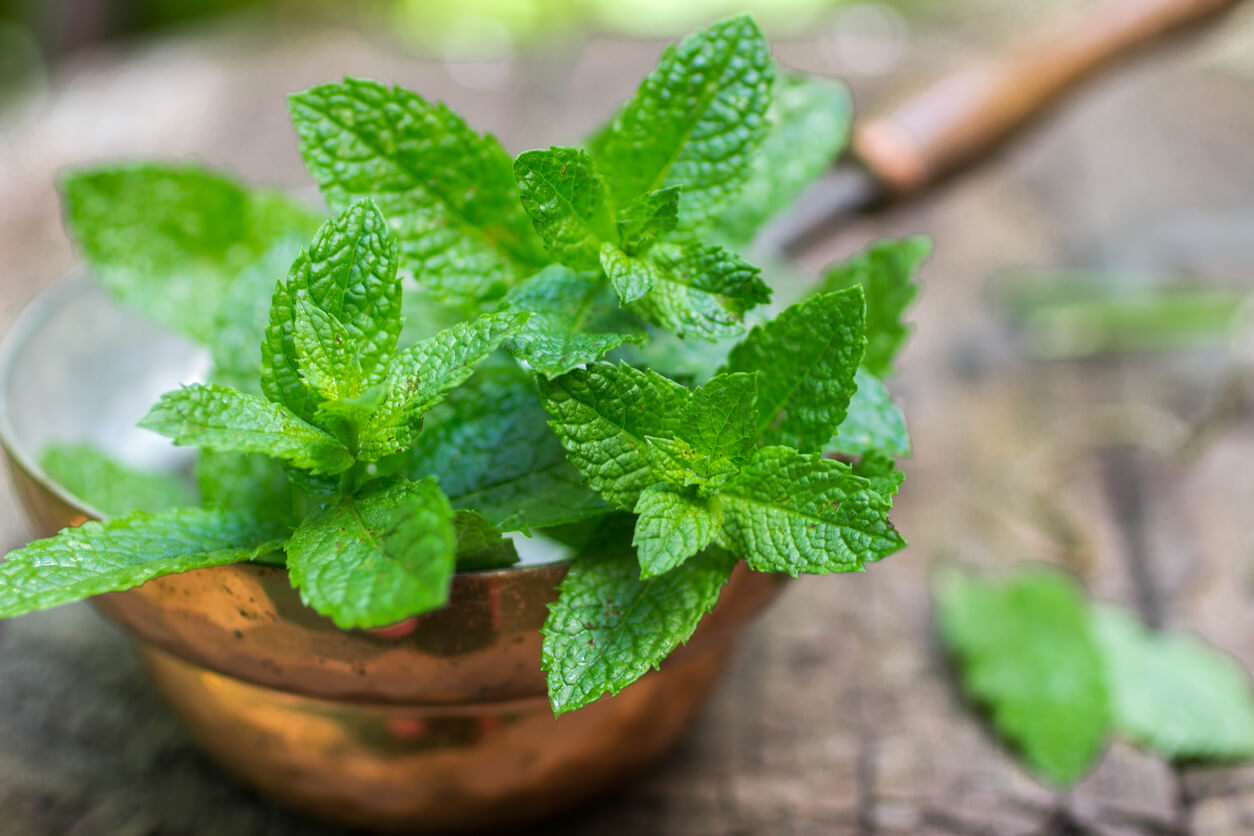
[{"x": 77, "y": 366}]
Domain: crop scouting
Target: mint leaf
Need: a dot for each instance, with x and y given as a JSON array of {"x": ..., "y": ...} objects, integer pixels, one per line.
[
  {"x": 421, "y": 375},
  {"x": 480, "y": 545},
  {"x": 125, "y": 552},
  {"x": 109, "y": 486},
  {"x": 672, "y": 528},
  {"x": 1175, "y": 694},
  {"x": 218, "y": 418},
  {"x": 240, "y": 323},
  {"x": 696, "y": 121},
  {"x": 647, "y": 218},
  {"x": 326, "y": 354},
  {"x": 807, "y": 357},
  {"x": 248, "y": 482},
  {"x": 808, "y": 126},
  {"x": 378, "y": 558},
  {"x": 348, "y": 273},
  {"x": 886, "y": 273},
  {"x": 608, "y": 626},
  {"x": 603, "y": 415},
  {"x": 565, "y": 197},
  {"x": 795, "y": 512},
  {"x": 492, "y": 450},
  {"x": 873, "y": 422},
  {"x": 719, "y": 420},
  {"x": 448, "y": 191},
  {"x": 1026, "y": 651},
  {"x": 701, "y": 291},
  {"x": 169, "y": 240},
  {"x": 576, "y": 320},
  {"x": 632, "y": 278}
]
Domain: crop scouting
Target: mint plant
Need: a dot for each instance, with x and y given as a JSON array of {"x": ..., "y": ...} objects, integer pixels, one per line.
[{"x": 566, "y": 344}]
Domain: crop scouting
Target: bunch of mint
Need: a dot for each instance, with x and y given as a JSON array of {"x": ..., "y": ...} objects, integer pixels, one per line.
[{"x": 375, "y": 454}]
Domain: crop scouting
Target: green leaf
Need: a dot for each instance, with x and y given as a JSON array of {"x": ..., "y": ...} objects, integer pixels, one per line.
[
  {"x": 326, "y": 354},
  {"x": 672, "y": 528},
  {"x": 696, "y": 121},
  {"x": 647, "y": 218},
  {"x": 348, "y": 273},
  {"x": 808, "y": 121},
  {"x": 448, "y": 191},
  {"x": 1175, "y": 694},
  {"x": 109, "y": 486},
  {"x": 1026, "y": 651},
  {"x": 609, "y": 626},
  {"x": 807, "y": 357},
  {"x": 886, "y": 273},
  {"x": 480, "y": 545},
  {"x": 873, "y": 422},
  {"x": 248, "y": 482},
  {"x": 240, "y": 324},
  {"x": 795, "y": 512},
  {"x": 720, "y": 419},
  {"x": 603, "y": 415},
  {"x": 378, "y": 558},
  {"x": 565, "y": 197},
  {"x": 492, "y": 450},
  {"x": 169, "y": 240},
  {"x": 701, "y": 291},
  {"x": 576, "y": 320},
  {"x": 422, "y": 374},
  {"x": 632, "y": 278},
  {"x": 125, "y": 552},
  {"x": 218, "y": 418}
]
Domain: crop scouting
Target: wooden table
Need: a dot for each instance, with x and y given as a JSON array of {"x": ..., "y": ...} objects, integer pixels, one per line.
[{"x": 839, "y": 715}]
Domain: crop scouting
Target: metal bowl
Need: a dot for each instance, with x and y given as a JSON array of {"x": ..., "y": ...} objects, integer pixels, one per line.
[{"x": 438, "y": 724}]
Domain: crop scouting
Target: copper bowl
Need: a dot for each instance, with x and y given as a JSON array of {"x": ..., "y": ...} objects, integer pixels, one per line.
[{"x": 438, "y": 724}]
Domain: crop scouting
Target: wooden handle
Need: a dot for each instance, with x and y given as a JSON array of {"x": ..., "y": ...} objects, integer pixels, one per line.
[{"x": 967, "y": 113}]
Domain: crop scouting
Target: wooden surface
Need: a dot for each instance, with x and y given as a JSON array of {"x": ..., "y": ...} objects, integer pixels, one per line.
[{"x": 839, "y": 715}]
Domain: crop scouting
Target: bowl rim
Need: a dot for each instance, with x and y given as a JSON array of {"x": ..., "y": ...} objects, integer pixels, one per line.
[{"x": 33, "y": 315}]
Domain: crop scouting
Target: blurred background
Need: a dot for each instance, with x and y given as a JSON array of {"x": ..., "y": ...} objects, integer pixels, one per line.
[{"x": 1079, "y": 389}]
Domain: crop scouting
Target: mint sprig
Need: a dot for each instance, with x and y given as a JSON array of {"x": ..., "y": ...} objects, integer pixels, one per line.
[{"x": 429, "y": 374}]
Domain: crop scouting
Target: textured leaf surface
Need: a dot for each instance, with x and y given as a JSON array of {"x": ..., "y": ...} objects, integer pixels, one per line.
[
  {"x": 719, "y": 420},
  {"x": 448, "y": 191},
  {"x": 218, "y": 418},
  {"x": 649, "y": 216},
  {"x": 378, "y": 558},
  {"x": 1026, "y": 651},
  {"x": 325, "y": 352},
  {"x": 421, "y": 375},
  {"x": 632, "y": 278},
  {"x": 480, "y": 544},
  {"x": 696, "y": 121},
  {"x": 793, "y": 512},
  {"x": 608, "y": 626},
  {"x": 1175, "y": 694},
  {"x": 126, "y": 552},
  {"x": 109, "y": 486},
  {"x": 886, "y": 272},
  {"x": 701, "y": 291},
  {"x": 565, "y": 197},
  {"x": 808, "y": 121},
  {"x": 169, "y": 240},
  {"x": 348, "y": 273},
  {"x": 873, "y": 422},
  {"x": 492, "y": 450},
  {"x": 603, "y": 415},
  {"x": 576, "y": 320},
  {"x": 806, "y": 357},
  {"x": 671, "y": 528}
]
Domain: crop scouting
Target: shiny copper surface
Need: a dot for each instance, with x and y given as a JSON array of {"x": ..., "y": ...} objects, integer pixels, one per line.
[{"x": 437, "y": 724}]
